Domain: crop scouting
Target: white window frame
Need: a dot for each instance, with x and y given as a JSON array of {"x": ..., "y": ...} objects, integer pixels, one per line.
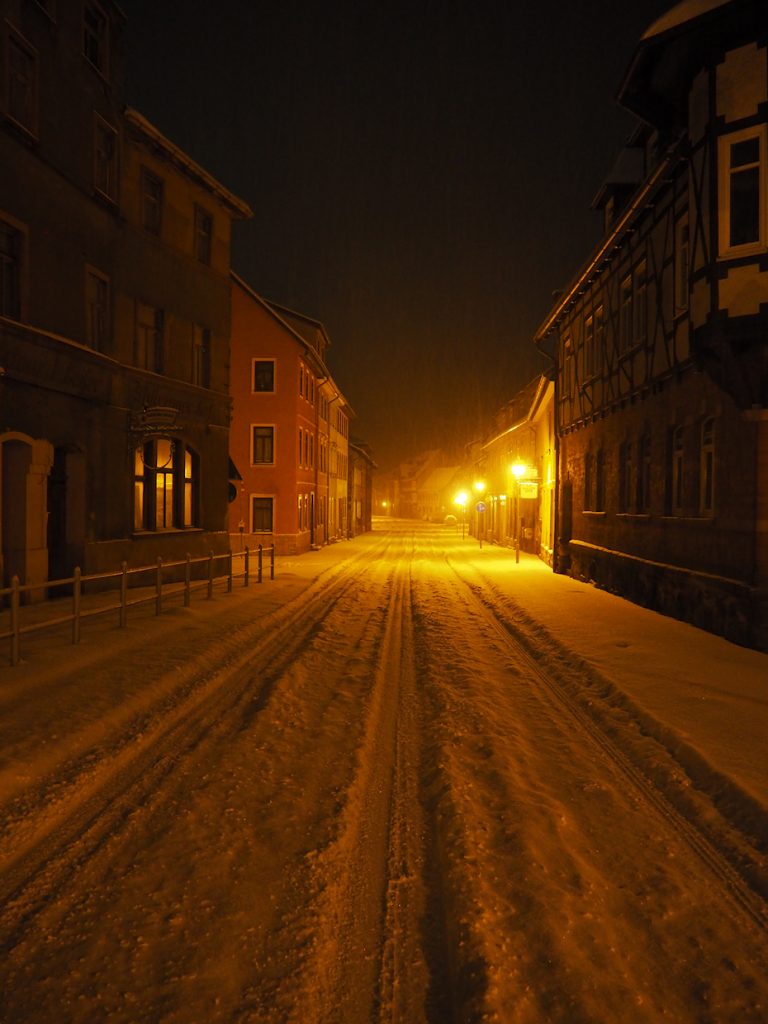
[
  {"x": 104, "y": 170},
  {"x": 725, "y": 142},
  {"x": 264, "y": 426}
]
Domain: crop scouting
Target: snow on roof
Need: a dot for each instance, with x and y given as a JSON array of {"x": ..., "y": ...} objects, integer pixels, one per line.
[{"x": 681, "y": 13}]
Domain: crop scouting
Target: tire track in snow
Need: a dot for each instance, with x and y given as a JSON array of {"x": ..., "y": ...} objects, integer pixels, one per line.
[
  {"x": 368, "y": 962},
  {"x": 41, "y": 858},
  {"x": 749, "y": 903}
]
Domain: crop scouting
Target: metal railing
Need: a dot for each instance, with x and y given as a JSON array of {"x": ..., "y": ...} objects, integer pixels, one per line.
[{"x": 165, "y": 583}]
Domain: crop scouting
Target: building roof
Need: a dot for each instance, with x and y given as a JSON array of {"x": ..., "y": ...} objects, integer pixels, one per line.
[
  {"x": 681, "y": 14},
  {"x": 153, "y": 136}
]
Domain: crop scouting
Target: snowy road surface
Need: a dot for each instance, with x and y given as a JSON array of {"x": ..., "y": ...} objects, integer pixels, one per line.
[{"x": 407, "y": 782}]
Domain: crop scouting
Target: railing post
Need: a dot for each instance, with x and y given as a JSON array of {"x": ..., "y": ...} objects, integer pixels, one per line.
[
  {"x": 124, "y": 595},
  {"x": 76, "y": 591},
  {"x": 246, "y": 565},
  {"x": 159, "y": 587},
  {"x": 272, "y": 563},
  {"x": 229, "y": 577},
  {"x": 15, "y": 620},
  {"x": 210, "y": 575},
  {"x": 187, "y": 579},
  {"x": 258, "y": 575}
]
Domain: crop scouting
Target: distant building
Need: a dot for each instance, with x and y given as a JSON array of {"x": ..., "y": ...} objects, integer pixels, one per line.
[
  {"x": 361, "y": 473},
  {"x": 661, "y": 338},
  {"x": 114, "y": 311},
  {"x": 290, "y": 429}
]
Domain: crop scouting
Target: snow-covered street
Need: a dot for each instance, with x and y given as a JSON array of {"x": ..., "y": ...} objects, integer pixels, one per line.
[{"x": 407, "y": 781}]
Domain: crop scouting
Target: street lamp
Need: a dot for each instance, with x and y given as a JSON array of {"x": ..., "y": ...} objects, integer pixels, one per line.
[
  {"x": 518, "y": 471},
  {"x": 461, "y": 500}
]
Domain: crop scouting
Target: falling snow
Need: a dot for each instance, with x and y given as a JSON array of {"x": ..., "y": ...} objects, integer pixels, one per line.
[{"x": 409, "y": 780}]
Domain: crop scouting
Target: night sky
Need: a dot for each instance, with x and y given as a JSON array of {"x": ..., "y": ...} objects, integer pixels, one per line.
[{"x": 421, "y": 176}]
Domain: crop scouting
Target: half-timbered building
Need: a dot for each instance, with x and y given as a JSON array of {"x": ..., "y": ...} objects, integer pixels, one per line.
[{"x": 661, "y": 338}]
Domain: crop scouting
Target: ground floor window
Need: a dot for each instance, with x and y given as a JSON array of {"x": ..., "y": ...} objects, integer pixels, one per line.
[
  {"x": 165, "y": 485},
  {"x": 262, "y": 514}
]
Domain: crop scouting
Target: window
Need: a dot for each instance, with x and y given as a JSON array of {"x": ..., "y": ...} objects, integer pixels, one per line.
[
  {"x": 105, "y": 158},
  {"x": 742, "y": 178},
  {"x": 588, "y": 481},
  {"x": 203, "y": 235},
  {"x": 589, "y": 347},
  {"x": 644, "y": 473},
  {"x": 626, "y": 316},
  {"x": 600, "y": 482},
  {"x": 261, "y": 515},
  {"x": 22, "y": 83},
  {"x": 597, "y": 364},
  {"x": 165, "y": 485},
  {"x": 682, "y": 264},
  {"x": 95, "y": 36},
  {"x": 264, "y": 375},
  {"x": 675, "y": 472},
  {"x": 201, "y": 356},
  {"x": 262, "y": 446},
  {"x": 151, "y": 202},
  {"x": 301, "y": 380},
  {"x": 10, "y": 270},
  {"x": 149, "y": 338},
  {"x": 301, "y": 443},
  {"x": 626, "y": 477},
  {"x": 707, "y": 472},
  {"x": 641, "y": 304},
  {"x": 96, "y": 309}
]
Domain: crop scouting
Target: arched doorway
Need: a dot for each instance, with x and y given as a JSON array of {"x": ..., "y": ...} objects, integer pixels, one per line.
[{"x": 24, "y": 467}]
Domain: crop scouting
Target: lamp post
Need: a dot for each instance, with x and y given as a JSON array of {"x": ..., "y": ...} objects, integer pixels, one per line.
[
  {"x": 479, "y": 486},
  {"x": 518, "y": 471}
]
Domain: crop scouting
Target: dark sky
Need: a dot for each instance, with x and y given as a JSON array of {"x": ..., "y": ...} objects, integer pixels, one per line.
[{"x": 420, "y": 176}]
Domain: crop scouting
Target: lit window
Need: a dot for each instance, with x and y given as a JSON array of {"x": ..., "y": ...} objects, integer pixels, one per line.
[
  {"x": 151, "y": 202},
  {"x": 10, "y": 270},
  {"x": 264, "y": 375},
  {"x": 742, "y": 205},
  {"x": 95, "y": 35},
  {"x": 96, "y": 309},
  {"x": 262, "y": 446},
  {"x": 707, "y": 491},
  {"x": 22, "y": 84},
  {"x": 262, "y": 515},
  {"x": 105, "y": 158},
  {"x": 588, "y": 481},
  {"x": 165, "y": 485},
  {"x": 203, "y": 235}
]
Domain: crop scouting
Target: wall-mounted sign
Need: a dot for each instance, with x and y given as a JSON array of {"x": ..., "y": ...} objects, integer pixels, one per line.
[{"x": 529, "y": 489}]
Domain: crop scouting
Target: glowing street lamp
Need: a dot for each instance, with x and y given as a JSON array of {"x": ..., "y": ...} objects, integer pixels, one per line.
[{"x": 518, "y": 472}]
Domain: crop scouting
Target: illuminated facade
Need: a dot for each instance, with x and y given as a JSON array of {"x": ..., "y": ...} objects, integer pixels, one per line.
[
  {"x": 661, "y": 339},
  {"x": 516, "y": 464},
  {"x": 114, "y": 316},
  {"x": 290, "y": 430}
]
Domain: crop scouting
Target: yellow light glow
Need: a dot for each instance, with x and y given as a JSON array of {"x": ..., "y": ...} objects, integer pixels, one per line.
[
  {"x": 479, "y": 486},
  {"x": 518, "y": 470},
  {"x": 461, "y": 498}
]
